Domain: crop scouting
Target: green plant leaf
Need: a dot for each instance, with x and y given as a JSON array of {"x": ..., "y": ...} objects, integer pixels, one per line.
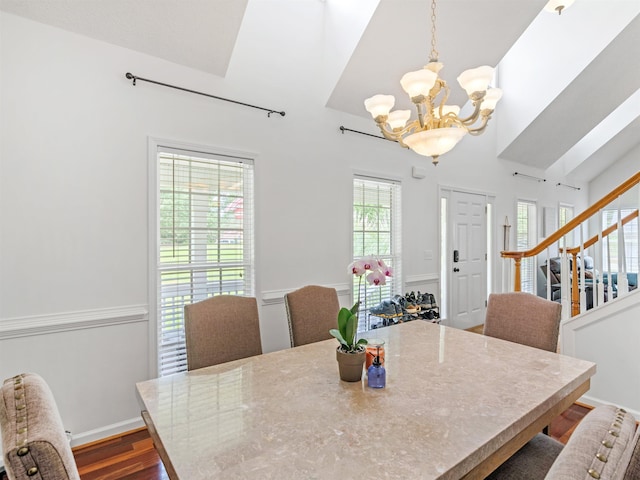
[
  {"x": 355, "y": 308},
  {"x": 351, "y": 329},
  {"x": 362, "y": 341},
  {"x": 338, "y": 336},
  {"x": 343, "y": 316}
]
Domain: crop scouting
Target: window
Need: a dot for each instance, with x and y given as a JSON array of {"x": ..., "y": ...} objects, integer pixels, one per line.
[
  {"x": 525, "y": 239},
  {"x": 630, "y": 237},
  {"x": 204, "y": 217},
  {"x": 376, "y": 231},
  {"x": 565, "y": 214}
]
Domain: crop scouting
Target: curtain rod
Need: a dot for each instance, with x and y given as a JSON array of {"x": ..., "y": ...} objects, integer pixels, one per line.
[
  {"x": 568, "y": 186},
  {"x": 135, "y": 78},
  {"x": 345, "y": 129},
  {"x": 529, "y": 176}
]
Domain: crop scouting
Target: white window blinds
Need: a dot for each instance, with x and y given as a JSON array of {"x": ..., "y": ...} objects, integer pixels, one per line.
[
  {"x": 376, "y": 231},
  {"x": 525, "y": 239},
  {"x": 205, "y": 239}
]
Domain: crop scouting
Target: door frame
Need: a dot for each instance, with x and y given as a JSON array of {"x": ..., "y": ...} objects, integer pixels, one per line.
[{"x": 445, "y": 239}]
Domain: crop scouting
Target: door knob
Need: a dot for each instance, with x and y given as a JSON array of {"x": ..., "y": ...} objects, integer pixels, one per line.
[{"x": 456, "y": 269}]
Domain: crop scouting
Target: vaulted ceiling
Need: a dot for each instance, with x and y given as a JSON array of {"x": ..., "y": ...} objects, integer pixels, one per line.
[{"x": 571, "y": 82}]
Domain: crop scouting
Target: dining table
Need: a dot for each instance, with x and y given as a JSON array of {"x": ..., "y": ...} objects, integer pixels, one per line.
[{"x": 456, "y": 404}]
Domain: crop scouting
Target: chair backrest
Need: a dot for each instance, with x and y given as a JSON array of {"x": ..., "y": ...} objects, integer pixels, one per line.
[
  {"x": 221, "y": 329},
  {"x": 523, "y": 318},
  {"x": 311, "y": 311},
  {"x": 34, "y": 442}
]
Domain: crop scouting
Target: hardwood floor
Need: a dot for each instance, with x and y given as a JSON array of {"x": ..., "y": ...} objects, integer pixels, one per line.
[{"x": 131, "y": 456}]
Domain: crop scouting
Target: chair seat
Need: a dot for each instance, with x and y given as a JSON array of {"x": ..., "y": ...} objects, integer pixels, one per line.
[{"x": 531, "y": 462}]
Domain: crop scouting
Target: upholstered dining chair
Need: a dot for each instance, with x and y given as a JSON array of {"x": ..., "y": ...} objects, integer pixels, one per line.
[
  {"x": 34, "y": 442},
  {"x": 311, "y": 311},
  {"x": 221, "y": 329},
  {"x": 523, "y": 318}
]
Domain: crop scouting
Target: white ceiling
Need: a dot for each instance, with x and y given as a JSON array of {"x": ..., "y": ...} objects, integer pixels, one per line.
[{"x": 367, "y": 45}]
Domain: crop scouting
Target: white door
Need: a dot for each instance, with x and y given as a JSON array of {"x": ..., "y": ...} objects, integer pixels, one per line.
[{"x": 467, "y": 260}]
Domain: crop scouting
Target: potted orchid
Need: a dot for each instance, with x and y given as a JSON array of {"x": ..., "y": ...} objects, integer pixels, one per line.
[{"x": 351, "y": 352}]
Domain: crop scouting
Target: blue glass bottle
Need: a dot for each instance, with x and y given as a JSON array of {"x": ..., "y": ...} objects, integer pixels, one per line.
[{"x": 376, "y": 374}]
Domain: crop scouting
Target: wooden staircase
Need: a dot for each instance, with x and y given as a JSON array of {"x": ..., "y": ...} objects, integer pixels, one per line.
[{"x": 595, "y": 241}]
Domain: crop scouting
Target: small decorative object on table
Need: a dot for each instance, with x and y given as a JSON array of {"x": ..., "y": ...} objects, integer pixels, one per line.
[
  {"x": 351, "y": 352},
  {"x": 374, "y": 348},
  {"x": 376, "y": 374}
]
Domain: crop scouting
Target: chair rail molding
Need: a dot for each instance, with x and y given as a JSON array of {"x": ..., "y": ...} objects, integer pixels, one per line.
[
  {"x": 413, "y": 280},
  {"x": 67, "y": 321}
]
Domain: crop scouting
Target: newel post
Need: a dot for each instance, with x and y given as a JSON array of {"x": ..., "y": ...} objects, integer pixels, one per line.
[{"x": 516, "y": 276}]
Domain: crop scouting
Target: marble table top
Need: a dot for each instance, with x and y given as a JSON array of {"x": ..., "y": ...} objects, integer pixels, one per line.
[{"x": 451, "y": 399}]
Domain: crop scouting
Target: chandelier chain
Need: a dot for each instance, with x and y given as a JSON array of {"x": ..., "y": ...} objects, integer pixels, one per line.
[{"x": 434, "y": 52}]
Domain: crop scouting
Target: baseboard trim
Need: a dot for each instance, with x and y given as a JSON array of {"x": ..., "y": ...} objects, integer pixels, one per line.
[
  {"x": 596, "y": 402},
  {"x": 91, "y": 436},
  {"x": 64, "y": 322}
]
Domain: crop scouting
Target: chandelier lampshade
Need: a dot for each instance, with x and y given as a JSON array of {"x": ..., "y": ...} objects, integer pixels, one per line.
[
  {"x": 398, "y": 119},
  {"x": 433, "y": 143},
  {"x": 491, "y": 98},
  {"x": 380, "y": 105},
  {"x": 476, "y": 79},
  {"x": 418, "y": 83},
  {"x": 439, "y": 126}
]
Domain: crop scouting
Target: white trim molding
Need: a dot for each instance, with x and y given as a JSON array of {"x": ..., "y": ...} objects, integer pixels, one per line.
[
  {"x": 421, "y": 279},
  {"x": 275, "y": 297},
  {"x": 64, "y": 322},
  {"x": 107, "y": 431}
]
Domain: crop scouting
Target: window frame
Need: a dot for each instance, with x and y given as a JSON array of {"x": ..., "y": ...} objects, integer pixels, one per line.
[
  {"x": 532, "y": 236},
  {"x": 154, "y": 247},
  {"x": 393, "y": 259}
]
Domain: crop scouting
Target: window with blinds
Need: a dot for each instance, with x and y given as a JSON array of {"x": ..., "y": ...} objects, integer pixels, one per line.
[
  {"x": 376, "y": 231},
  {"x": 525, "y": 239},
  {"x": 204, "y": 237}
]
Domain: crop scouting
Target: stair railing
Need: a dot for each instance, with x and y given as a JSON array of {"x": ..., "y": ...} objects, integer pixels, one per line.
[
  {"x": 570, "y": 257},
  {"x": 577, "y": 274}
]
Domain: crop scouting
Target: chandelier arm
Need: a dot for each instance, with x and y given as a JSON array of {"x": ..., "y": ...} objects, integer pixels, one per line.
[
  {"x": 471, "y": 119},
  {"x": 451, "y": 120},
  {"x": 388, "y": 135},
  {"x": 446, "y": 91},
  {"x": 419, "y": 109},
  {"x": 393, "y": 136},
  {"x": 398, "y": 134},
  {"x": 480, "y": 129},
  {"x": 401, "y": 143}
]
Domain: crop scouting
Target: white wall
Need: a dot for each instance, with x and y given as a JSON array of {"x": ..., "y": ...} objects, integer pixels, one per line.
[
  {"x": 625, "y": 167},
  {"x": 608, "y": 336},
  {"x": 73, "y": 204}
]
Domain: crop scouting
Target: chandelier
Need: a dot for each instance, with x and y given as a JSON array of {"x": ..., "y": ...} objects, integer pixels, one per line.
[{"x": 438, "y": 127}]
